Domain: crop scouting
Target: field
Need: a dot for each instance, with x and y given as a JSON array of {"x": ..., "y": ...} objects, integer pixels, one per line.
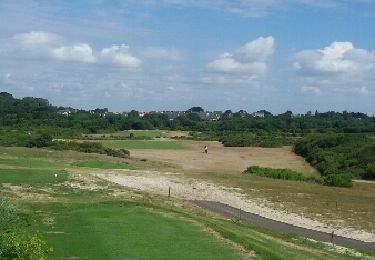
[
  {"x": 82, "y": 215},
  {"x": 226, "y": 159},
  {"x": 142, "y": 144},
  {"x": 124, "y": 230}
]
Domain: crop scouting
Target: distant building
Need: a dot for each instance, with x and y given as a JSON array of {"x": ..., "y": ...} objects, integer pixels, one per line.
[
  {"x": 66, "y": 111},
  {"x": 258, "y": 114}
]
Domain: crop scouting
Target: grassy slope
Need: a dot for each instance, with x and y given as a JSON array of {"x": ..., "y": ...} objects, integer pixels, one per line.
[
  {"x": 92, "y": 223},
  {"x": 123, "y": 230}
]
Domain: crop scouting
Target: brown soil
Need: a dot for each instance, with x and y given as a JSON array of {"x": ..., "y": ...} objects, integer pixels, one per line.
[{"x": 225, "y": 159}]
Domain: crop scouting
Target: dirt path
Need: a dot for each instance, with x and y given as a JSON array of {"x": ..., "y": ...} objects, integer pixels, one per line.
[
  {"x": 225, "y": 159},
  {"x": 188, "y": 189},
  {"x": 229, "y": 211}
]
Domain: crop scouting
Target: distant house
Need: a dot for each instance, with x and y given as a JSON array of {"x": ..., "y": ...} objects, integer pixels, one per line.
[
  {"x": 66, "y": 112},
  {"x": 258, "y": 114}
]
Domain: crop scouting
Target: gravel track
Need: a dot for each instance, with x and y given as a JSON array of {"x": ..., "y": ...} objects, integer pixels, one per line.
[{"x": 229, "y": 211}]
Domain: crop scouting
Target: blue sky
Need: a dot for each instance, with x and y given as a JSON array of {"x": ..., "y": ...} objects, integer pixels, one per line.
[{"x": 298, "y": 55}]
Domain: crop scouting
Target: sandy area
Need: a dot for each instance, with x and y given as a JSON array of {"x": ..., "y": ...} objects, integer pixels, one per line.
[
  {"x": 225, "y": 159},
  {"x": 187, "y": 189}
]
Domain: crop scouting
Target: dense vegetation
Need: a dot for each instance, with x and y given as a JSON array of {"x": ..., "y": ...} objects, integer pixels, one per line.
[
  {"x": 283, "y": 174},
  {"x": 339, "y": 157},
  {"x": 28, "y": 114},
  {"x": 15, "y": 241},
  {"x": 337, "y": 180}
]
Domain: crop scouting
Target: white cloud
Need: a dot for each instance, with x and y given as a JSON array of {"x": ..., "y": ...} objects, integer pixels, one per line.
[
  {"x": 248, "y": 63},
  {"x": 339, "y": 66},
  {"x": 120, "y": 55},
  {"x": 36, "y": 39},
  {"x": 336, "y": 58},
  {"x": 40, "y": 44},
  {"x": 227, "y": 63},
  {"x": 162, "y": 53},
  {"x": 79, "y": 52},
  {"x": 259, "y": 49}
]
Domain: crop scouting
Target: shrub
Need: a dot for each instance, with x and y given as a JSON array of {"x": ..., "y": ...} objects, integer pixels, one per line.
[
  {"x": 337, "y": 180},
  {"x": 369, "y": 172},
  {"x": 122, "y": 153},
  {"x": 283, "y": 174},
  {"x": 15, "y": 241}
]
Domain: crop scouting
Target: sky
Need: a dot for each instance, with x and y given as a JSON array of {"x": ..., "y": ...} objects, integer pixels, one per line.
[{"x": 147, "y": 55}]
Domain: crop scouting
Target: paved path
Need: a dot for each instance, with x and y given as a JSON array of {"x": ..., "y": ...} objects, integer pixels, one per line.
[{"x": 229, "y": 211}]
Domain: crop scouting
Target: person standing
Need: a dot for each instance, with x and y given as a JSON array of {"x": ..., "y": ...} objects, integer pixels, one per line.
[{"x": 205, "y": 149}]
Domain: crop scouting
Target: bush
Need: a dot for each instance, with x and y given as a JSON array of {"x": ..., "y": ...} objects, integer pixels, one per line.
[
  {"x": 283, "y": 174},
  {"x": 43, "y": 140},
  {"x": 337, "y": 180},
  {"x": 15, "y": 241},
  {"x": 90, "y": 147},
  {"x": 369, "y": 172},
  {"x": 352, "y": 155},
  {"x": 122, "y": 153}
]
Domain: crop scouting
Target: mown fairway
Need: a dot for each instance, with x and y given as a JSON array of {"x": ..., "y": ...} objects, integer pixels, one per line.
[
  {"x": 126, "y": 230},
  {"x": 31, "y": 176}
]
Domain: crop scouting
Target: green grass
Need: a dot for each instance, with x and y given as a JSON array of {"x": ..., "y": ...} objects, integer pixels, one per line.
[
  {"x": 125, "y": 230},
  {"x": 98, "y": 164},
  {"x": 138, "y": 230},
  {"x": 141, "y": 144},
  {"x": 31, "y": 163},
  {"x": 31, "y": 176}
]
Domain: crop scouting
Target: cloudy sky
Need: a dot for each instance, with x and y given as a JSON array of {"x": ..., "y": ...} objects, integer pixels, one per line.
[{"x": 174, "y": 54}]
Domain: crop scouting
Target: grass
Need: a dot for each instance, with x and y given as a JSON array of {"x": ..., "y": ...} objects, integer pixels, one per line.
[
  {"x": 31, "y": 176},
  {"x": 31, "y": 163},
  {"x": 141, "y": 144},
  {"x": 126, "y": 230},
  {"x": 138, "y": 230},
  {"x": 93, "y": 224},
  {"x": 99, "y": 164}
]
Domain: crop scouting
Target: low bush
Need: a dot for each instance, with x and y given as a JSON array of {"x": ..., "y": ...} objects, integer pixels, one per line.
[
  {"x": 15, "y": 240},
  {"x": 283, "y": 174},
  {"x": 89, "y": 147},
  {"x": 337, "y": 180}
]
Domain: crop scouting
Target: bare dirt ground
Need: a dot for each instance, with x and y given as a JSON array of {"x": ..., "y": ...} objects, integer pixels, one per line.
[
  {"x": 189, "y": 189},
  {"x": 225, "y": 159}
]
